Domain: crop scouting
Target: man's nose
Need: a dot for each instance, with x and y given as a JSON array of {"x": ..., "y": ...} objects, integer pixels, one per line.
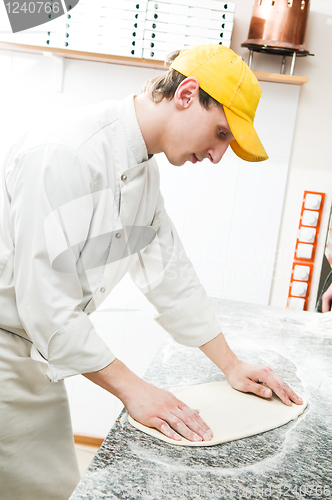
[{"x": 218, "y": 152}]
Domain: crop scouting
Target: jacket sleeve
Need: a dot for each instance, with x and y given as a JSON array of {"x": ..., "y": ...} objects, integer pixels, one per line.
[
  {"x": 51, "y": 209},
  {"x": 168, "y": 279}
]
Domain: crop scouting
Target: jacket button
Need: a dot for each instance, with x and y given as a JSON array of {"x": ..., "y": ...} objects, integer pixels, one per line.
[
  {"x": 123, "y": 177},
  {"x": 102, "y": 290},
  {"x": 118, "y": 235}
]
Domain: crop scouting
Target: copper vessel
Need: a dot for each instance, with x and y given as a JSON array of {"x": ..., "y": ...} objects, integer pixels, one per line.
[{"x": 278, "y": 24}]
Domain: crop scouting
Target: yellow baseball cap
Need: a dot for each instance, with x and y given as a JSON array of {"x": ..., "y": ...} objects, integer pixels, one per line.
[{"x": 225, "y": 76}]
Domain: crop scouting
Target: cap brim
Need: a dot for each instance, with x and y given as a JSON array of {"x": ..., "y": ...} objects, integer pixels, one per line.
[{"x": 247, "y": 144}]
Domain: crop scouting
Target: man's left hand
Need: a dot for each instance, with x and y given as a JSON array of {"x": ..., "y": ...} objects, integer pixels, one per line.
[{"x": 246, "y": 377}]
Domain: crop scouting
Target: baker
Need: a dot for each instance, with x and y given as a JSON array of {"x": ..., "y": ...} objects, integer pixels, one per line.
[{"x": 81, "y": 207}]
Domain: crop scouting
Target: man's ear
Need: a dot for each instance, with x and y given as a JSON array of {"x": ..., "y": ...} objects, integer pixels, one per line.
[{"x": 186, "y": 92}]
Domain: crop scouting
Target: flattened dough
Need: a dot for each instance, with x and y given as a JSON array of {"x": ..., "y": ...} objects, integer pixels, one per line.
[{"x": 229, "y": 413}]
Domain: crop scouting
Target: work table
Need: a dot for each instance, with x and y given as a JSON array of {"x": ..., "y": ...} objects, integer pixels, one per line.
[{"x": 292, "y": 461}]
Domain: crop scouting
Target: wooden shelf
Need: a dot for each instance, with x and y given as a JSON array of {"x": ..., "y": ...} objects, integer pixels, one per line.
[
  {"x": 135, "y": 61},
  {"x": 87, "y": 56},
  {"x": 278, "y": 78}
]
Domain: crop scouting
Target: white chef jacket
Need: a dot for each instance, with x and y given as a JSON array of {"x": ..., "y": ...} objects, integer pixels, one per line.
[{"x": 80, "y": 207}]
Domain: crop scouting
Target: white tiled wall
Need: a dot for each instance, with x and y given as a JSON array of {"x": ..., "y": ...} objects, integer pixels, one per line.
[{"x": 228, "y": 215}]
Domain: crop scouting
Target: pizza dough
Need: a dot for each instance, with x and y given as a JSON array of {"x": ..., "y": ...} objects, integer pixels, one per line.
[{"x": 229, "y": 413}]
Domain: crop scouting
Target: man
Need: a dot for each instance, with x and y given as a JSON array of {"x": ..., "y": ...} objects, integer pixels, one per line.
[
  {"x": 327, "y": 300},
  {"x": 81, "y": 207}
]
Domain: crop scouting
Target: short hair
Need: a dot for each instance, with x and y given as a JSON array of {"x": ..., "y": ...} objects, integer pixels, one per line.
[{"x": 164, "y": 86}]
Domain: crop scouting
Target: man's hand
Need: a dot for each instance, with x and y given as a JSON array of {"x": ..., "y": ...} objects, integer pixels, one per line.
[
  {"x": 327, "y": 299},
  {"x": 150, "y": 405},
  {"x": 246, "y": 377},
  {"x": 161, "y": 409}
]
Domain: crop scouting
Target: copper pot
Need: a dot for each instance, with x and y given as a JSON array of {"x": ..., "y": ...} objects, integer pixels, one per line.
[{"x": 278, "y": 24}]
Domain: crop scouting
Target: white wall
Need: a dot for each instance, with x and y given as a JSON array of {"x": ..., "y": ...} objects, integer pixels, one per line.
[
  {"x": 310, "y": 162},
  {"x": 222, "y": 204}
]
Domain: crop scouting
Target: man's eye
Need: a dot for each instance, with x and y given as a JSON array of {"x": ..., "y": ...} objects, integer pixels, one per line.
[{"x": 221, "y": 132}]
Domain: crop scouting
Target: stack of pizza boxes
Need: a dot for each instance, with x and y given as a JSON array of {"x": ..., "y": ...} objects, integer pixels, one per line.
[
  {"x": 131, "y": 28},
  {"x": 103, "y": 27},
  {"x": 174, "y": 25}
]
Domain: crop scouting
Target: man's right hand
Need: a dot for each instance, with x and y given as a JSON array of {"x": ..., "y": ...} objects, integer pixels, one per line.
[
  {"x": 150, "y": 405},
  {"x": 327, "y": 299}
]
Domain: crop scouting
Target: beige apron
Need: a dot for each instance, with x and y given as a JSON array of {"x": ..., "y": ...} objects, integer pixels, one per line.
[{"x": 37, "y": 453}]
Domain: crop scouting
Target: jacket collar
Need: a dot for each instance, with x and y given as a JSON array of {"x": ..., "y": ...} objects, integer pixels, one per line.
[{"x": 134, "y": 138}]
